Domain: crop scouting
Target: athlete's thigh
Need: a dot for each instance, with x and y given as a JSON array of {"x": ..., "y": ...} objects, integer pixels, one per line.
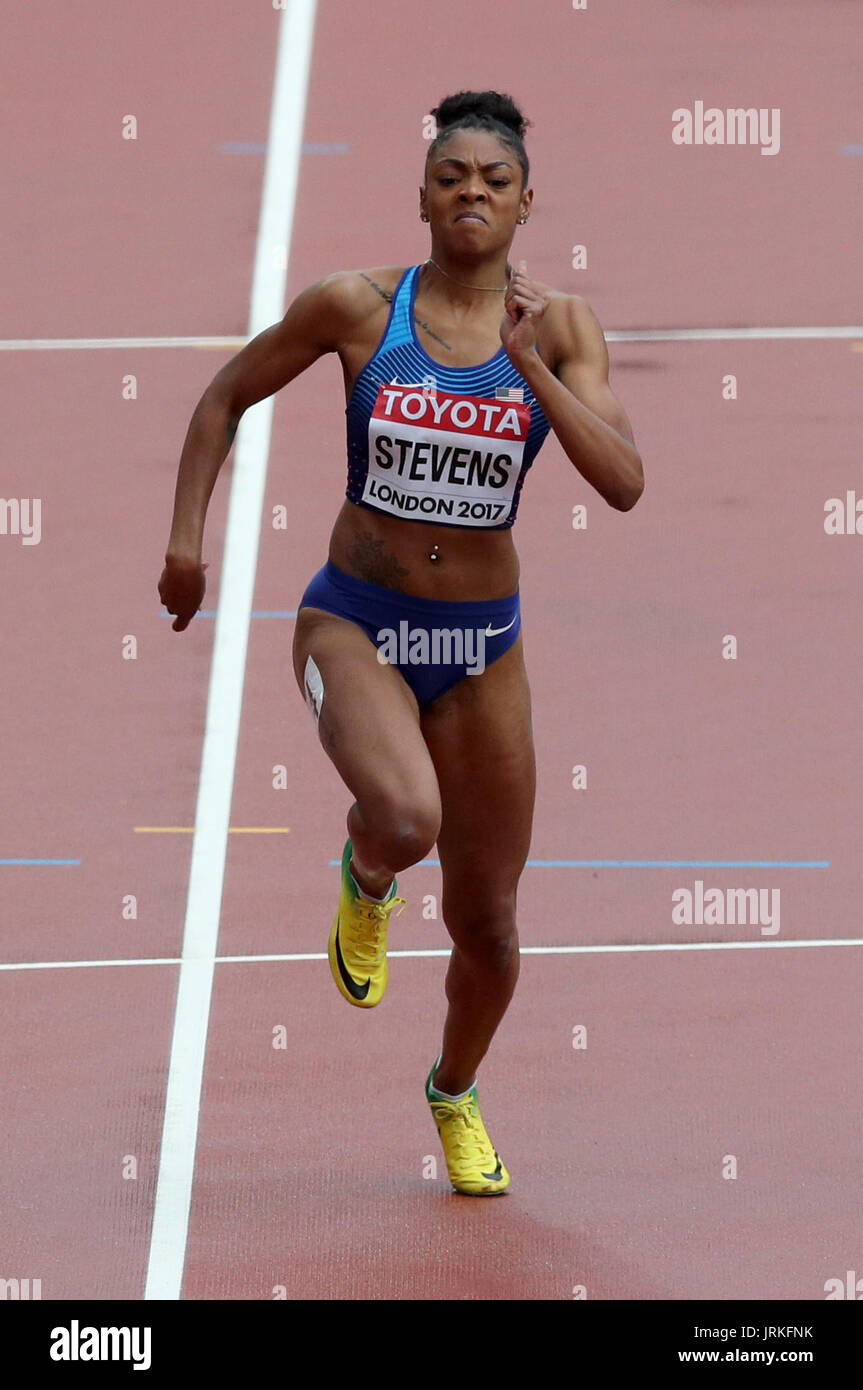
[
  {"x": 368, "y": 722},
  {"x": 480, "y": 738}
]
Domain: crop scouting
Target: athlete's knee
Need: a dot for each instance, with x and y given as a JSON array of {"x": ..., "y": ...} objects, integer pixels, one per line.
[
  {"x": 483, "y": 928},
  {"x": 410, "y": 837},
  {"x": 402, "y": 833}
]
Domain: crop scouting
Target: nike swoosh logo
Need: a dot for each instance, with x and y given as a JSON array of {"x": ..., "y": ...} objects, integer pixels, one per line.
[
  {"x": 495, "y": 631},
  {"x": 498, "y": 1172},
  {"x": 358, "y": 991}
]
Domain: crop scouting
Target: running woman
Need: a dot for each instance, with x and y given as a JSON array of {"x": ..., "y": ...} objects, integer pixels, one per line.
[{"x": 407, "y": 647}]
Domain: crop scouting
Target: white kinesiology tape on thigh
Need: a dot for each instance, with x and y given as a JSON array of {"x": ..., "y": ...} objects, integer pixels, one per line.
[{"x": 314, "y": 688}]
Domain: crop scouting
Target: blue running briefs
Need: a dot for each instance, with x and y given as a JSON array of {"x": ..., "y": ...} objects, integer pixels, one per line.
[{"x": 435, "y": 643}]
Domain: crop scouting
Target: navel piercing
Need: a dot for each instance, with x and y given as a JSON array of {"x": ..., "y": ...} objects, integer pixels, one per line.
[{"x": 432, "y": 555}]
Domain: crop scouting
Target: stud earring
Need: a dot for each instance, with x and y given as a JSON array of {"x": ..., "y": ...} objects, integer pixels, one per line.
[{"x": 423, "y": 217}]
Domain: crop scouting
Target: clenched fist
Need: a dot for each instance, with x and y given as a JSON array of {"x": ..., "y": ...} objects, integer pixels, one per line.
[{"x": 181, "y": 589}]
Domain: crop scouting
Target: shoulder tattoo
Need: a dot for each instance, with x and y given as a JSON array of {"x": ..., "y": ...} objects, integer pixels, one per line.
[{"x": 385, "y": 294}]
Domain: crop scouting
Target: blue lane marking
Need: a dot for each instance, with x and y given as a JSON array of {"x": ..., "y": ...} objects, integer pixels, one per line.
[
  {"x": 659, "y": 863},
  {"x": 39, "y": 861},
  {"x": 257, "y": 613},
  {"x": 851, "y": 149},
  {"x": 260, "y": 147}
]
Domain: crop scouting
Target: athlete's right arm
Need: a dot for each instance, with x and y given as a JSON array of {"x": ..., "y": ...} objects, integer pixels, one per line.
[{"x": 318, "y": 320}]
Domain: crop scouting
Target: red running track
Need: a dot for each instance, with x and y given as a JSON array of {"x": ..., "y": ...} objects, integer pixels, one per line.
[{"x": 310, "y": 1163}]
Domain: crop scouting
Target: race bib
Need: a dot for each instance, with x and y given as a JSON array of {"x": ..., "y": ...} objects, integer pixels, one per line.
[{"x": 438, "y": 456}]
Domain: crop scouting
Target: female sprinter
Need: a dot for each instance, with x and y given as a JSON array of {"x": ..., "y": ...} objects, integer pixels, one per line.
[{"x": 407, "y": 645}]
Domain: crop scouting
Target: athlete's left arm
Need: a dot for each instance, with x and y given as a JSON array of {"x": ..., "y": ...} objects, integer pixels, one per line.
[{"x": 581, "y": 407}]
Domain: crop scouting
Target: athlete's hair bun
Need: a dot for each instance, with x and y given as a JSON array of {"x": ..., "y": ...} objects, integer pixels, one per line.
[
  {"x": 491, "y": 111},
  {"x": 495, "y": 106}
]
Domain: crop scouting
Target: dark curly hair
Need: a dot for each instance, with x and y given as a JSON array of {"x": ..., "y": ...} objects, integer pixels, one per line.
[{"x": 492, "y": 111}]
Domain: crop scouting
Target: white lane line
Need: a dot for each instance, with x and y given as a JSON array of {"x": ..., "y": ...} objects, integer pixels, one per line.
[
  {"x": 708, "y": 335},
  {"x": 627, "y": 948},
  {"x": 224, "y": 700},
  {"x": 689, "y": 946},
  {"x": 88, "y": 344},
  {"x": 613, "y": 335},
  {"x": 87, "y": 964}
]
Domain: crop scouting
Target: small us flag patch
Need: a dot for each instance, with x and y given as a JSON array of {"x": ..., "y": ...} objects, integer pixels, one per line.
[{"x": 510, "y": 393}]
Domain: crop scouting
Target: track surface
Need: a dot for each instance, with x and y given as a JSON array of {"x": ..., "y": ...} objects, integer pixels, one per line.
[{"x": 309, "y": 1175}]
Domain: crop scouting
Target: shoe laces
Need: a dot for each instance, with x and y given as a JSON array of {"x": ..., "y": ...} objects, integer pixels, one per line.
[
  {"x": 465, "y": 1128},
  {"x": 369, "y": 922}
]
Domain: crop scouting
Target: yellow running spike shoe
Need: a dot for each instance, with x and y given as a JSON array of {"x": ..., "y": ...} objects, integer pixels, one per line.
[
  {"x": 473, "y": 1164},
  {"x": 358, "y": 941}
]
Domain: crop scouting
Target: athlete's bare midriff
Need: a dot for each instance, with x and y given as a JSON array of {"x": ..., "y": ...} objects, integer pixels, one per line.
[{"x": 471, "y": 563}]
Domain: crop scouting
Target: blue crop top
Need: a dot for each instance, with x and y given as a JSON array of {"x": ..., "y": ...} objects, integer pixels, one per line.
[{"x": 427, "y": 442}]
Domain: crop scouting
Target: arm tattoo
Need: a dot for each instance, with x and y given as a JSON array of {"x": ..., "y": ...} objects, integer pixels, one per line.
[{"x": 385, "y": 294}]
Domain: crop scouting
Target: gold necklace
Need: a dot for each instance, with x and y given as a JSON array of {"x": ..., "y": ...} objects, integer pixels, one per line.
[{"x": 490, "y": 289}]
